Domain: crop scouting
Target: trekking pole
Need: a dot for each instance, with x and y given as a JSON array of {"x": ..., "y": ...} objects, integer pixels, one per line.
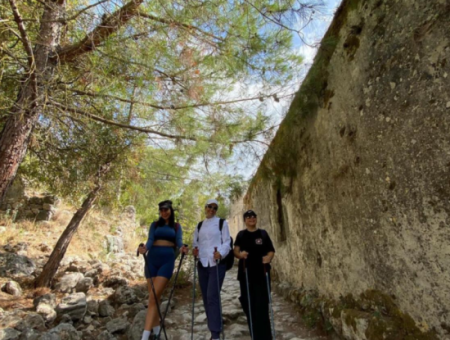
[
  {"x": 220, "y": 299},
  {"x": 272, "y": 319},
  {"x": 154, "y": 295},
  {"x": 193, "y": 296},
  {"x": 171, "y": 292},
  {"x": 248, "y": 299}
]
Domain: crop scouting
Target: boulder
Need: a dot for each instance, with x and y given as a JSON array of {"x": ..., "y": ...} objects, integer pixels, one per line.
[
  {"x": 92, "y": 307},
  {"x": 118, "y": 325},
  {"x": 30, "y": 334},
  {"x": 9, "y": 334},
  {"x": 84, "y": 284},
  {"x": 68, "y": 282},
  {"x": 44, "y": 215},
  {"x": 105, "y": 309},
  {"x": 63, "y": 331},
  {"x": 74, "y": 305},
  {"x": 113, "y": 244},
  {"x": 14, "y": 265},
  {"x": 115, "y": 282},
  {"x": 32, "y": 321},
  {"x": 13, "y": 288},
  {"x": 135, "y": 330},
  {"x": 45, "y": 306},
  {"x": 105, "y": 335},
  {"x": 126, "y": 295}
]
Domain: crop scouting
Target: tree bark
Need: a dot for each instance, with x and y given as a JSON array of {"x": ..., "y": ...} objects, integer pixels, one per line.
[
  {"x": 25, "y": 112},
  {"x": 51, "y": 267}
]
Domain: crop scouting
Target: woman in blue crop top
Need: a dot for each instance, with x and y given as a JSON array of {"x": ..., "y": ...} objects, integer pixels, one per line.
[{"x": 164, "y": 236}]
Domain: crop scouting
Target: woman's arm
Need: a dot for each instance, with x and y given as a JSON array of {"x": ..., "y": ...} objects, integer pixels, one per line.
[
  {"x": 179, "y": 237},
  {"x": 151, "y": 236},
  {"x": 237, "y": 251},
  {"x": 268, "y": 258}
]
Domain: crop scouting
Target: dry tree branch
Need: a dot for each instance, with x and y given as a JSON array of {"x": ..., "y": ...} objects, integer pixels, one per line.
[
  {"x": 172, "y": 107},
  {"x": 145, "y": 130},
  {"x": 179, "y": 24},
  {"x": 109, "y": 25},
  {"x": 28, "y": 48},
  {"x": 73, "y": 17},
  {"x": 125, "y": 126}
]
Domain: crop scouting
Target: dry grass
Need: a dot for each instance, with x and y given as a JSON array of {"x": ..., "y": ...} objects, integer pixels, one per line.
[{"x": 88, "y": 241}]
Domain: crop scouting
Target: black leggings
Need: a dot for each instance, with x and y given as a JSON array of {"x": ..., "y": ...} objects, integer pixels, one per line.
[{"x": 260, "y": 308}]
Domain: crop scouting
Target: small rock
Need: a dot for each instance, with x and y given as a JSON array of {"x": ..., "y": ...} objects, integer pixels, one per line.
[
  {"x": 13, "y": 288},
  {"x": 32, "y": 321},
  {"x": 84, "y": 284},
  {"x": 105, "y": 335},
  {"x": 9, "y": 334},
  {"x": 135, "y": 330},
  {"x": 44, "y": 248},
  {"x": 30, "y": 334},
  {"x": 448, "y": 105},
  {"x": 69, "y": 282},
  {"x": 64, "y": 331},
  {"x": 47, "y": 206},
  {"x": 92, "y": 307},
  {"x": 105, "y": 309},
  {"x": 118, "y": 325},
  {"x": 126, "y": 295}
]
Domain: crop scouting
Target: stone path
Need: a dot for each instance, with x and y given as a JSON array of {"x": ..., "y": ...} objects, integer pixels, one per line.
[{"x": 288, "y": 321}]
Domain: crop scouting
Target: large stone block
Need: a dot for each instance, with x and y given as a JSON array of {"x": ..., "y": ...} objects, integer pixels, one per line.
[{"x": 74, "y": 305}]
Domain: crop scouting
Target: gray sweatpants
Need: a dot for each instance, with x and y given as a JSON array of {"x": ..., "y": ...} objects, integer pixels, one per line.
[{"x": 207, "y": 277}]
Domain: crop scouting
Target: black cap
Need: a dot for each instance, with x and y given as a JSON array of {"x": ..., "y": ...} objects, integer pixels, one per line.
[
  {"x": 249, "y": 213},
  {"x": 165, "y": 204}
]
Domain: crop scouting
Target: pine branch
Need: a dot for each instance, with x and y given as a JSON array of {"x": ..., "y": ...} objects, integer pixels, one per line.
[
  {"x": 121, "y": 125},
  {"x": 146, "y": 130},
  {"x": 173, "y": 107},
  {"x": 109, "y": 25},
  {"x": 179, "y": 24},
  {"x": 76, "y": 15}
]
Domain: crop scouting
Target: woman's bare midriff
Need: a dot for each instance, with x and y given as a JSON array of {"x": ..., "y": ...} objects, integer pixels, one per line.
[{"x": 163, "y": 243}]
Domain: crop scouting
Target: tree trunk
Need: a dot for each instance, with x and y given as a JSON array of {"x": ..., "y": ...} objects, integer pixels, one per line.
[
  {"x": 52, "y": 265},
  {"x": 25, "y": 112}
]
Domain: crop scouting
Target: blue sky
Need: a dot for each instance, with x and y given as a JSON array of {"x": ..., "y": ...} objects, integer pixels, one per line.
[{"x": 246, "y": 161}]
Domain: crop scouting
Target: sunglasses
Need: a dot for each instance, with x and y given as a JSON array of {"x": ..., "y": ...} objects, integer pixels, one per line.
[
  {"x": 213, "y": 207},
  {"x": 250, "y": 216},
  {"x": 164, "y": 209}
]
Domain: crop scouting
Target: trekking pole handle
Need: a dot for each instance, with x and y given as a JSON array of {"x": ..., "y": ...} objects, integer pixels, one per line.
[
  {"x": 215, "y": 250},
  {"x": 137, "y": 251}
]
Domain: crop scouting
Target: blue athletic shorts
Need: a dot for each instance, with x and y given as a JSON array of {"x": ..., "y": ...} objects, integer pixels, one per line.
[{"x": 161, "y": 261}]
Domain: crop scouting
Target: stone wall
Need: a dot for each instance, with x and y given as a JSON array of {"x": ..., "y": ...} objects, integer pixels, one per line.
[
  {"x": 355, "y": 187},
  {"x": 235, "y": 219},
  {"x": 20, "y": 205}
]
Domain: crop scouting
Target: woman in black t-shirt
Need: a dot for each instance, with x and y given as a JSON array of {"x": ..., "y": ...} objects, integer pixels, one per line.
[{"x": 255, "y": 247}]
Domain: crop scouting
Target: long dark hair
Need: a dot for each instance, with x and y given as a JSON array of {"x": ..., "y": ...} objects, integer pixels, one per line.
[{"x": 162, "y": 222}]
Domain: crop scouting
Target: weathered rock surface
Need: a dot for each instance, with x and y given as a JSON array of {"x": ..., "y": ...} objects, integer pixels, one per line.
[
  {"x": 14, "y": 265},
  {"x": 68, "y": 282},
  {"x": 74, "y": 305},
  {"x": 63, "y": 331},
  {"x": 13, "y": 288}
]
